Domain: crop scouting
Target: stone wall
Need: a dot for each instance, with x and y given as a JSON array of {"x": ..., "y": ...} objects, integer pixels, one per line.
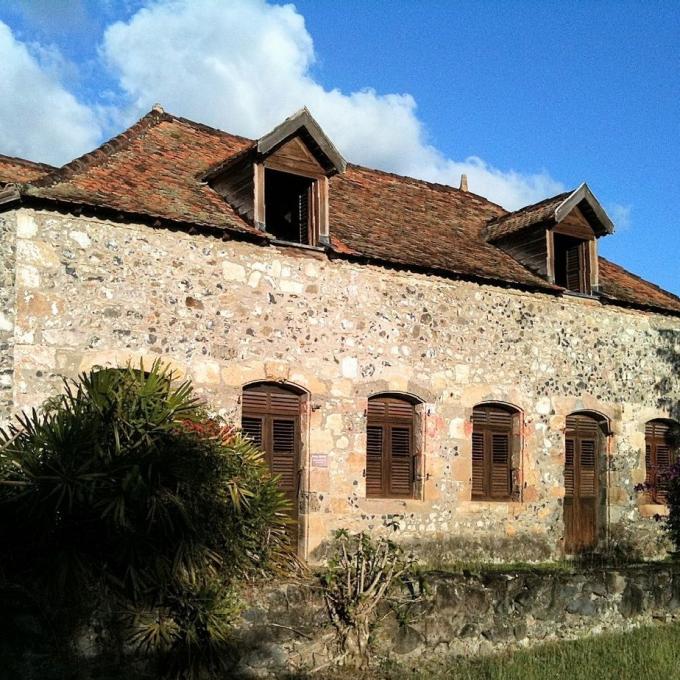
[
  {"x": 7, "y": 311},
  {"x": 227, "y": 313},
  {"x": 285, "y": 628}
]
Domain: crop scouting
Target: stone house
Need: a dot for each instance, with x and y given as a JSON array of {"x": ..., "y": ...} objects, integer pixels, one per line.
[{"x": 407, "y": 353}]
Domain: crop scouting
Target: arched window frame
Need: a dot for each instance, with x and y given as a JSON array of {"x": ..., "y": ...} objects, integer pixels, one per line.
[
  {"x": 496, "y": 430},
  {"x": 660, "y": 455},
  {"x": 393, "y": 446}
]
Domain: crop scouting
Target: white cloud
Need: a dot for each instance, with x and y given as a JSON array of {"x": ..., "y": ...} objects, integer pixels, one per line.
[
  {"x": 243, "y": 65},
  {"x": 620, "y": 215},
  {"x": 39, "y": 118}
]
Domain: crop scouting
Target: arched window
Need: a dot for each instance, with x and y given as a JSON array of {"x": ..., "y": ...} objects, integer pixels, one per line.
[
  {"x": 659, "y": 456},
  {"x": 495, "y": 452},
  {"x": 390, "y": 457},
  {"x": 271, "y": 419}
]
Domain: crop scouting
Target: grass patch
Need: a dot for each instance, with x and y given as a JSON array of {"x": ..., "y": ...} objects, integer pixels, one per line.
[{"x": 647, "y": 653}]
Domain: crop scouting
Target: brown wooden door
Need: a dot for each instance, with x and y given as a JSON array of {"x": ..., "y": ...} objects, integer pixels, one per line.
[
  {"x": 271, "y": 419},
  {"x": 581, "y": 481}
]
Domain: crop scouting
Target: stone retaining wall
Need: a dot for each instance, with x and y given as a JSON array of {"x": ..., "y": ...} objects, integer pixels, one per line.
[{"x": 285, "y": 627}]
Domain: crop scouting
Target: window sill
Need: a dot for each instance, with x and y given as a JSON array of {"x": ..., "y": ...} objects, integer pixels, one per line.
[
  {"x": 386, "y": 505},
  {"x": 495, "y": 506},
  {"x": 584, "y": 296},
  {"x": 294, "y": 244},
  {"x": 494, "y": 500}
]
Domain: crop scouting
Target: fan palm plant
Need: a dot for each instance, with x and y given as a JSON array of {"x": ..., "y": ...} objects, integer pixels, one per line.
[{"x": 124, "y": 507}]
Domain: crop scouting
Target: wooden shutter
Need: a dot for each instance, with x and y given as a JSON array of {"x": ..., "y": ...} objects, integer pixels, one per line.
[
  {"x": 271, "y": 419},
  {"x": 573, "y": 255},
  {"x": 478, "y": 468},
  {"x": 491, "y": 453},
  {"x": 283, "y": 451},
  {"x": 588, "y": 468},
  {"x": 252, "y": 427},
  {"x": 401, "y": 461},
  {"x": 570, "y": 445},
  {"x": 500, "y": 465},
  {"x": 659, "y": 457},
  {"x": 389, "y": 448},
  {"x": 303, "y": 215},
  {"x": 374, "y": 460}
]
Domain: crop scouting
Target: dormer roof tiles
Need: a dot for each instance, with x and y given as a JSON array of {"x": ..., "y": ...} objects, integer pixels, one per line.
[{"x": 17, "y": 170}]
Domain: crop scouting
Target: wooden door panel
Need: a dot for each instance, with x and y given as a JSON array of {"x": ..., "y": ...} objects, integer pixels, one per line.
[{"x": 581, "y": 485}]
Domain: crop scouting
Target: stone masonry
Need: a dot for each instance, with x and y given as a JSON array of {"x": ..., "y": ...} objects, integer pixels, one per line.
[{"x": 78, "y": 292}]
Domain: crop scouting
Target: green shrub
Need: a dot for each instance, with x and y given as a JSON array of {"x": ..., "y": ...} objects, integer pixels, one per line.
[{"x": 125, "y": 509}]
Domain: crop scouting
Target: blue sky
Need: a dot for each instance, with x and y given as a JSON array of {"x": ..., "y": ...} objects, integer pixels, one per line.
[{"x": 527, "y": 98}]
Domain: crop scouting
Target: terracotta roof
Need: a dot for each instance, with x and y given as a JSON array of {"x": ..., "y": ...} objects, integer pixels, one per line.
[
  {"x": 151, "y": 169},
  {"x": 398, "y": 219},
  {"x": 620, "y": 285},
  {"x": 155, "y": 168},
  {"x": 20, "y": 170},
  {"x": 525, "y": 217}
]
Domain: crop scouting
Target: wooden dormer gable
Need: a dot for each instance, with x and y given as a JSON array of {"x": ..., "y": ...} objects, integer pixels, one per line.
[
  {"x": 280, "y": 183},
  {"x": 556, "y": 238}
]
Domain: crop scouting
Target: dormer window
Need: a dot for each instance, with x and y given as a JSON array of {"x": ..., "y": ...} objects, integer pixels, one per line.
[
  {"x": 279, "y": 184},
  {"x": 289, "y": 202},
  {"x": 556, "y": 239}
]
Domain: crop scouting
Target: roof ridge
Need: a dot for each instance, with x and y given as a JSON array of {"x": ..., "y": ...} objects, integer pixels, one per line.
[
  {"x": 208, "y": 128},
  {"x": 108, "y": 148},
  {"x": 437, "y": 186},
  {"x": 25, "y": 161},
  {"x": 639, "y": 278},
  {"x": 526, "y": 208}
]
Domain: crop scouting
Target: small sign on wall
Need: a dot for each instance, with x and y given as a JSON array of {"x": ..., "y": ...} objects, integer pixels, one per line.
[{"x": 320, "y": 460}]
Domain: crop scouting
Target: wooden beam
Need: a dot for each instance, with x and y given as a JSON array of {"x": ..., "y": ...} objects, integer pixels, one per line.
[
  {"x": 259, "y": 205},
  {"x": 550, "y": 255}
]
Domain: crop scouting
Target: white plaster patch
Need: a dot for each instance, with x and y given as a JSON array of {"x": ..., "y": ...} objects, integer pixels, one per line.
[
  {"x": 28, "y": 276},
  {"x": 26, "y": 225},
  {"x": 81, "y": 238},
  {"x": 233, "y": 272},
  {"x": 5, "y": 323},
  {"x": 37, "y": 253},
  {"x": 457, "y": 428},
  {"x": 254, "y": 279},
  {"x": 462, "y": 373},
  {"x": 293, "y": 287},
  {"x": 349, "y": 367},
  {"x": 543, "y": 406}
]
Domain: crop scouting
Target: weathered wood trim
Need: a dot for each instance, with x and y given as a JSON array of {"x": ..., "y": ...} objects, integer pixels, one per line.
[
  {"x": 594, "y": 266},
  {"x": 302, "y": 120},
  {"x": 550, "y": 255},
  {"x": 258, "y": 185},
  {"x": 584, "y": 194},
  {"x": 324, "y": 228}
]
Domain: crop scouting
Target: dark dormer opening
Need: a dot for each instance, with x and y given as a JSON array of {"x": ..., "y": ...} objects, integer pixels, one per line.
[
  {"x": 280, "y": 183},
  {"x": 288, "y": 200},
  {"x": 572, "y": 263}
]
